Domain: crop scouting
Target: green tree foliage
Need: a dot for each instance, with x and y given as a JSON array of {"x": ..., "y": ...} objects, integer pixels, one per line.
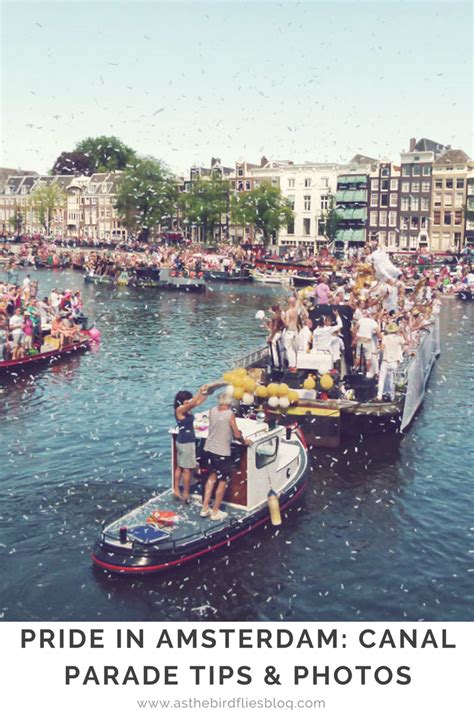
[
  {"x": 332, "y": 220},
  {"x": 264, "y": 207},
  {"x": 205, "y": 204},
  {"x": 146, "y": 196},
  {"x": 17, "y": 220},
  {"x": 107, "y": 153},
  {"x": 45, "y": 200},
  {"x": 73, "y": 163}
]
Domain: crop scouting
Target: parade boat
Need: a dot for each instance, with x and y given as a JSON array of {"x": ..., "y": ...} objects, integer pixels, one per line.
[
  {"x": 303, "y": 280},
  {"x": 270, "y": 277},
  {"x": 275, "y": 264},
  {"x": 91, "y": 278},
  {"x": 152, "y": 278},
  {"x": 50, "y": 355},
  {"x": 327, "y": 407},
  {"x": 228, "y": 276},
  {"x": 267, "y": 476}
]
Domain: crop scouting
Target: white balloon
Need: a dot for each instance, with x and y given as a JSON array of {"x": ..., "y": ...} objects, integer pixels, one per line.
[
  {"x": 273, "y": 402},
  {"x": 284, "y": 402},
  {"x": 229, "y": 390},
  {"x": 260, "y": 315},
  {"x": 248, "y": 398}
]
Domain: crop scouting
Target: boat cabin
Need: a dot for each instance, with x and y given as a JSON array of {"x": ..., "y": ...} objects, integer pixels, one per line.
[{"x": 270, "y": 462}]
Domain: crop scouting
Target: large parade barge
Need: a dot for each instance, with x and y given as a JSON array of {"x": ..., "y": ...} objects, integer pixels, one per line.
[
  {"x": 164, "y": 532},
  {"x": 348, "y": 406}
]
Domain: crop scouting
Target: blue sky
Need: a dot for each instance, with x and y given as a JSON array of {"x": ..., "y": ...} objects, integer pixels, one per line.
[{"x": 185, "y": 81}]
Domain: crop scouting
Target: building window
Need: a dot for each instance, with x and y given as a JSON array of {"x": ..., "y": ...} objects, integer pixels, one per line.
[
  {"x": 392, "y": 219},
  {"x": 425, "y": 204},
  {"x": 385, "y": 184},
  {"x": 375, "y": 185},
  {"x": 393, "y": 199},
  {"x": 394, "y": 185},
  {"x": 447, "y": 218},
  {"x": 306, "y": 226},
  {"x": 392, "y": 237},
  {"x": 307, "y": 203},
  {"x": 321, "y": 226},
  {"x": 405, "y": 187},
  {"x": 325, "y": 182},
  {"x": 417, "y": 170},
  {"x": 439, "y": 184},
  {"x": 247, "y": 184},
  {"x": 373, "y": 219},
  {"x": 324, "y": 202},
  {"x": 458, "y": 199},
  {"x": 437, "y": 218},
  {"x": 413, "y": 222},
  {"x": 240, "y": 185},
  {"x": 448, "y": 200},
  {"x": 459, "y": 183},
  {"x": 437, "y": 199},
  {"x": 425, "y": 186},
  {"x": 415, "y": 186},
  {"x": 291, "y": 200},
  {"x": 426, "y": 169},
  {"x": 307, "y": 182},
  {"x": 384, "y": 200},
  {"x": 240, "y": 172},
  {"x": 406, "y": 172},
  {"x": 290, "y": 229},
  {"x": 405, "y": 204},
  {"x": 415, "y": 203},
  {"x": 383, "y": 219},
  {"x": 291, "y": 182},
  {"x": 374, "y": 199},
  {"x": 423, "y": 222},
  {"x": 457, "y": 217},
  {"x": 385, "y": 172},
  {"x": 449, "y": 184}
]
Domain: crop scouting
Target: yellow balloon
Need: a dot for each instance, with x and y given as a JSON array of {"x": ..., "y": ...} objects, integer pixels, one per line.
[
  {"x": 261, "y": 391},
  {"x": 272, "y": 389},
  {"x": 240, "y": 371},
  {"x": 227, "y": 377},
  {"x": 249, "y": 384},
  {"x": 326, "y": 382},
  {"x": 238, "y": 381},
  {"x": 293, "y": 396},
  {"x": 309, "y": 383},
  {"x": 238, "y": 392},
  {"x": 283, "y": 390}
]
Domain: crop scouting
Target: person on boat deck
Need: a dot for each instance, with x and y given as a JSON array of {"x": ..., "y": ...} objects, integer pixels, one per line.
[
  {"x": 184, "y": 403},
  {"x": 305, "y": 336},
  {"x": 366, "y": 329},
  {"x": 324, "y": 332},
  {"x": 16, "y": 329},
  {"x": 392, "y": 355},
  {"x": 28, "y": 330},
  {"x": 222, "y": 429},
  {"x": 322, "y": 292},
  {"x": 290, "y": 336},
  {"x": 276, "y": 326}
]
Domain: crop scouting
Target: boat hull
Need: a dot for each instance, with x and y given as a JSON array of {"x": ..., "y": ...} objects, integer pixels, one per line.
[
  {"x": 145, "y": 561},
  {"x": 15, "y": 367}
]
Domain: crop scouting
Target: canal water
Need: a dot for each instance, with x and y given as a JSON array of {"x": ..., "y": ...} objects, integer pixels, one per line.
[{"x": 383, "y": 532}]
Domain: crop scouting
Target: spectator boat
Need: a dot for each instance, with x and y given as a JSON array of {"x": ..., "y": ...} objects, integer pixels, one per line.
[
  {"x": 164, "y": 532},
  {"x": 14, "y": 368}
]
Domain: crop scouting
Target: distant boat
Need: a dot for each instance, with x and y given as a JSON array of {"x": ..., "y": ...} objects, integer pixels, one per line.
[
  {"x": 15, "y": 367},
  {"x": 268, "y": 277},
  {"x": 228, "y": 276}
]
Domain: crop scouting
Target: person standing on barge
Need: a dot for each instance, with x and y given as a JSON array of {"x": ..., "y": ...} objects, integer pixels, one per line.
[{"x": 184, "y": 403}]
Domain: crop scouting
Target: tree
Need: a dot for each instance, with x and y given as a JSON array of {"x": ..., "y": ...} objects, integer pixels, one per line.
[
  {"x": 264, "y": 207},
  {"x": 332, "y": 220},
  {"x": 205, "y": 203},
  {"x": 45, "y": 200},
  {"x": 17, "y": 220},
  {"x": 146, "y": 195},
  {"x": 73, "y": 163},
  {"x": 107, "y": 153}
]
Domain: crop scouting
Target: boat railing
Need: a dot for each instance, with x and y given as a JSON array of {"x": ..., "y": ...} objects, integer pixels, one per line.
[{"x": 251, "y": 358}]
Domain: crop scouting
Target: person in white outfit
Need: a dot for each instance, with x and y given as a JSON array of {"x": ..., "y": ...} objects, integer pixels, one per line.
[{"x": 392, "y": 355}]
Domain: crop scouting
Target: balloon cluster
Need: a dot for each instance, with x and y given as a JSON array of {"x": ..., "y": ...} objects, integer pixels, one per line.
[
  {"x": 326, "y": 382},
  {"x": 244, "y": 389}
]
